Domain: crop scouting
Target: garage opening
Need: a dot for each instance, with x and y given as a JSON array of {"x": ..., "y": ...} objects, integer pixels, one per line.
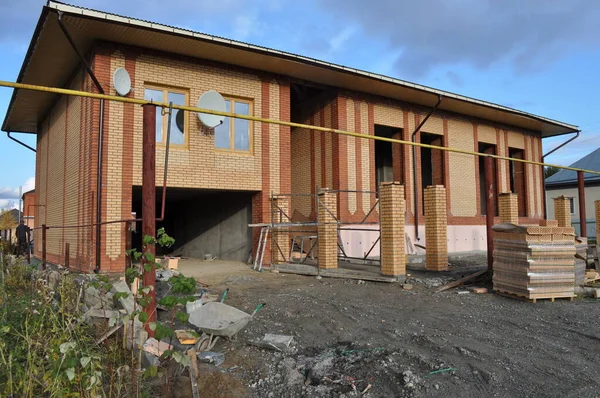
[{"x": 202, "y": 222}]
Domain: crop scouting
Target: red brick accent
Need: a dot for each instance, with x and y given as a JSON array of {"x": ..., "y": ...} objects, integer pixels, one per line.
[
  {"x": 407, "y": 159},
  {"x": 285, "y": 171},
  {"x": 321, "y": 114},
  {"x": 371, "y": 120},
  {"x": 358, "y": 143}
]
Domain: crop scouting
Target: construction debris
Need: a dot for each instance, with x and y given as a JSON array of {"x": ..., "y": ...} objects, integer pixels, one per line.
[
  {"x": 187, "y": 337},
  {"x": 277, "y": 342},
  {"x": 155, "y": 347},
  {"x": 461, "y": 281},
  {"x": 216, "y": 358}
]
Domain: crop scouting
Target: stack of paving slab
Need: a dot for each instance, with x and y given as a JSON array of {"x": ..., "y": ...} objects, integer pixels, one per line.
[
  {"x": 581, "y": 247},
  {"x": 534, "y": 262}
]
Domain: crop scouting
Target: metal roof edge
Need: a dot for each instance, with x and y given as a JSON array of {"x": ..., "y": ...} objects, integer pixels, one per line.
[
  {"x": 32, "y": 44},
  {"x": 60, "y": 6}
]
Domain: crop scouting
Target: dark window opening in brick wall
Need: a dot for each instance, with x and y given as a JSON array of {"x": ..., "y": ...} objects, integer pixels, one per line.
[
  {"x": 489, "y": 149},
  {"x": 517, "y": 179},
  {"x": 432, "y": 163},
  {"x": 389, "y": 157}
]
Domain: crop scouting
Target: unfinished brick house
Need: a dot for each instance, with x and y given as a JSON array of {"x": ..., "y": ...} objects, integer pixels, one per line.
[{"x": 220, "y": 182}]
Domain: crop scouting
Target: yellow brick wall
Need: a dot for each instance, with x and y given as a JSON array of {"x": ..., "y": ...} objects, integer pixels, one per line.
[
  {"x": 200, "y": 165},
  {"x": 60, "y": 186},
  {"x": 463, "y": 179}
]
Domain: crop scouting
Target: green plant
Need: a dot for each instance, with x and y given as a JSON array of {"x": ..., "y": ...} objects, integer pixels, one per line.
[
  {"x": 181, "y": 291},
  {"x": 46, "y": 351}
]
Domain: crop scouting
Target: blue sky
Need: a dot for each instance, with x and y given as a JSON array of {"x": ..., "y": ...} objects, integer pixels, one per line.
[{"x": 541, "y": 56}]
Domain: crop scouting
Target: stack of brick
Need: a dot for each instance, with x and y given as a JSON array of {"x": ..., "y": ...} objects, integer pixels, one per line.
[
  {"x": 581, "y": 247},
  {"x": 536, "y": 262}
]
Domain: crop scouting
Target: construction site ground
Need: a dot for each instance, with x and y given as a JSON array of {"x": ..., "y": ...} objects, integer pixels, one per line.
[{"x": 356, "y": 338}]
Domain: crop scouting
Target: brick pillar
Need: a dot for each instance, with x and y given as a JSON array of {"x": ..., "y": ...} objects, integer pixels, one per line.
[
  {"x": 281, "y": 240},
  {"x": 597, "y": 205},
  {"x": 562, "y": 211},
  {"x": 327, "y": 230},
  {"x": 436, "y": 228},
  {"x": 392, "y": 211},
  {"x": 508, "y": 206}
]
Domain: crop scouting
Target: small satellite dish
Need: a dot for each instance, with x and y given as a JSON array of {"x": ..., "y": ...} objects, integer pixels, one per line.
[
  {"x": 214, "y": 101},
  {"x": 122, "y": 81}
]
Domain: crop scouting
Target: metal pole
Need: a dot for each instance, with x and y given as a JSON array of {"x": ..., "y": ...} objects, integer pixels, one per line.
[
  {"x": 43, "y": 246},
  {"x": 581, "y": 194},
  {"x": 149, "y": 205},
  {"x": 28, "y": 246},
  {"x": 489, "y": 208},
  {"x": 128, "y": 243},
  {"x": 67, "y": 262}
]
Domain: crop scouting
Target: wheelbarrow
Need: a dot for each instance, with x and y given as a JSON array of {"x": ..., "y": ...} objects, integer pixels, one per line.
[{"x": 221, "y": 319}]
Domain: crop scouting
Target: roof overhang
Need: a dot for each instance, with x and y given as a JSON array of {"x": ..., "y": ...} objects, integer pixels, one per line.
[{"x": 50, "y": 61}]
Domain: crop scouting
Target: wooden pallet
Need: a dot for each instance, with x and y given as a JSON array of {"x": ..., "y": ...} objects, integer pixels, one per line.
[{"x": 530, "y": 299}]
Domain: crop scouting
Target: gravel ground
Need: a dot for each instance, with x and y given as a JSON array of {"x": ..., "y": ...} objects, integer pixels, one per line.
[{"x": 356, "y": 338}]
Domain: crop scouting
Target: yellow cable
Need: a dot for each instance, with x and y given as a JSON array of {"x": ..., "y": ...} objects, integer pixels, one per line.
[{"x": 85, "y": 94}]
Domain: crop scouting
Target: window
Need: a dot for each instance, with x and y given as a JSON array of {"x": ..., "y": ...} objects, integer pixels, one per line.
[
  {"x": 235, "y": 134},
  {"x": 178, "y": 119},
  {"x": 572, "y": 206}
]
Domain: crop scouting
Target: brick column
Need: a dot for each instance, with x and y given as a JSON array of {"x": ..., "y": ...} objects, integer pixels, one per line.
[
  {"x": 392, "y": 209},
  {"x": 327, "y": 230},
  {"x": 436, "y": 228},
  {"x": 562, "y": 211},
  {"x": 508, "y": 206},
  {"x": 597, "y": 205},
  {"x": 281, "y": 240}
]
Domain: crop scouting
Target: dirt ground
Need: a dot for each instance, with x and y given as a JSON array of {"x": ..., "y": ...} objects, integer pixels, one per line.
[{"x": 356, "y": 338}]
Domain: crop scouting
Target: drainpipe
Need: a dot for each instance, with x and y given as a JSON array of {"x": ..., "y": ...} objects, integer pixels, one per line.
[
  {"x": 8, "y": 134},
  {"x": 414, "y": 156},
  {"x": 90, "y": 72},
  {"x": 550, "y": 153}
]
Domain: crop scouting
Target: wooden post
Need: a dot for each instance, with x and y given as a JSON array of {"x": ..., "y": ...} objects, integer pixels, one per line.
[{"x": 149, "y": 206}]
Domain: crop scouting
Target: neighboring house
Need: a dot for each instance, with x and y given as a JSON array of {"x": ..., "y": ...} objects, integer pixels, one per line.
[
  {"x": 565, "y": 183},
  {"x": 9, "y": 233},
  {"x": 220, "y": 182},
  {"x": 29, "y": 208}
]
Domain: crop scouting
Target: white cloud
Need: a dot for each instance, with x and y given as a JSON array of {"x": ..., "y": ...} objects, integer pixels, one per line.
[
  {"x": 10, "y": 193},
  {"x": 4, "y": 203},
  {"x": 336, "y": 42}
]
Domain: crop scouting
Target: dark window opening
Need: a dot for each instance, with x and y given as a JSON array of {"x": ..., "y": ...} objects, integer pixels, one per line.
[
  {"x": 389, "y": 159},
  {"x": 432, "y": 163},
  {"x": 489, "y": 149},
  {"x": 517, "y": 179}
]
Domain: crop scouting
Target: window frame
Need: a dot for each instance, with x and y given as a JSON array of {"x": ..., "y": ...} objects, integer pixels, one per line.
[
  {"x": 165, "y": 118},
  {"x": 231, "y": 149}
]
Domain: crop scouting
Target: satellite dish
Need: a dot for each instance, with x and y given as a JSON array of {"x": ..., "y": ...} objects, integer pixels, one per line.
[
  {"x": 122, "y": 81},
  {"x": 214, "y": 101}
]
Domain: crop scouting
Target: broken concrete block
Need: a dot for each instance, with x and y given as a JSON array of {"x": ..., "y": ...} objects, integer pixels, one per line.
[
  {"x": 277, "y": 342},
  {"x": 128, "y": 302},
  {"x": 163, "y": 275},
  {"x": 156, "y": 347},
  {"x": 53, "y": 279},
  {"x": 596, "y": 293},
  {"x": 149, "y": 360},
  {"x": 407, "y": 286},
  {"x": 93, "y": 298}
]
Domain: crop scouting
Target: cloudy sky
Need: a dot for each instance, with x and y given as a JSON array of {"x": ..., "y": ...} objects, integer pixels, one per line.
[{"x": 541, "y": 56}]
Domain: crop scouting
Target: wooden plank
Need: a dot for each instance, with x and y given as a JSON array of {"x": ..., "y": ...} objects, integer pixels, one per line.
[{"x": 461, "y": 281}]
